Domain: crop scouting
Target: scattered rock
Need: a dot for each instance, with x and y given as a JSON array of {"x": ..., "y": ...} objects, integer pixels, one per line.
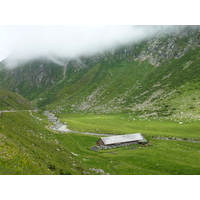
[
  {"x": 101, "y": 171},
  {"x": 84, "y": 172},
  {"x": 74, "y": 154}
]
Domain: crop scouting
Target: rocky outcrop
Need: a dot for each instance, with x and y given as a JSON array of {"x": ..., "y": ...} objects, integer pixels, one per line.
[{"x": 163, "y": 48}]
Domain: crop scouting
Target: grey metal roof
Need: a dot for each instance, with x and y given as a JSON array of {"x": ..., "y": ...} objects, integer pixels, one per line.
[{"x": 122, "y": 138}]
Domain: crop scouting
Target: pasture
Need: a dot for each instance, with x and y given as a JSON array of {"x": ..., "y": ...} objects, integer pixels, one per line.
[
  {"x": 29, "y": 147},
  {"x": 161, "y": 157}
]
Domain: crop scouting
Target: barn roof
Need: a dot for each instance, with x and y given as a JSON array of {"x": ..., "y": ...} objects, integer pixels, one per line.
[{"x": 122, "y": 138}]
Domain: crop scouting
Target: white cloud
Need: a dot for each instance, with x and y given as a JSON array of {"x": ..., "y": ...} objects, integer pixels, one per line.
[{"x": 27, "y": 42}]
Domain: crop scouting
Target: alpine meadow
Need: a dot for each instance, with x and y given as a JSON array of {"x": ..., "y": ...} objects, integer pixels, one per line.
[{"x": 54, "y": 108}]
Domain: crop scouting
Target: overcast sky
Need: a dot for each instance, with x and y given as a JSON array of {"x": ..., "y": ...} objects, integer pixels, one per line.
[{"x": 27, "y": 42}]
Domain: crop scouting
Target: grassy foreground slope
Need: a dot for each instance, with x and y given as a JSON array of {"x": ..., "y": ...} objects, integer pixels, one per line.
[{"x": 26, "y": 147}]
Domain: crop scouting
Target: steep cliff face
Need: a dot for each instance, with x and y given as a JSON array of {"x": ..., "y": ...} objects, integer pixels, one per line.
[
  {"x": 151, "y": 76},
  {"x": 32, "y": 78},
  {"x": 173, "y": 46},
  {"x": 162, "y": 47}
]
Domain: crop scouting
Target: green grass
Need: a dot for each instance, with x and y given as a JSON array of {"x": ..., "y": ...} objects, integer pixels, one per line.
[
  {"x": 163, "y": 157},
  {"x": 10, "y": 100},
  {"x": 121, "y": 85},
  {"x": 125, "y": 123},
  {"x": 113, "y": 83},
  {"x": 27, "y": 147}
]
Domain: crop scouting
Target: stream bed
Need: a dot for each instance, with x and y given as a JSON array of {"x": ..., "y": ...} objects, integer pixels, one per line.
[{"x": 61, "y": 127}]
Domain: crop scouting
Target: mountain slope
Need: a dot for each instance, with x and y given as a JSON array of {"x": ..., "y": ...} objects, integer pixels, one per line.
[
  {"x": 32, "y": 78},
  {"x": 159, "y": 76},
  {"x": 132, "y": 86},
  {"x": 10, "y": 100}
]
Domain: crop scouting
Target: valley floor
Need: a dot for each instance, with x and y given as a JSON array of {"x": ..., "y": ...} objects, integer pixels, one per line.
[
  {"x": 161, "y": 157},
  {"x": 27, "y": 147}
]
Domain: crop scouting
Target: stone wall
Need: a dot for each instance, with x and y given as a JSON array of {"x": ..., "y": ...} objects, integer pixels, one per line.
[{"x": 116, "y": 145}]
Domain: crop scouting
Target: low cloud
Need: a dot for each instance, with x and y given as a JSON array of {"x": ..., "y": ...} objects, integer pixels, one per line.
[{"x": 28, "y": 42}]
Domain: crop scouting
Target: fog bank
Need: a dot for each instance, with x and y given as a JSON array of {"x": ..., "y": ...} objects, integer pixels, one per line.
[{"x": 28, "y": 42}]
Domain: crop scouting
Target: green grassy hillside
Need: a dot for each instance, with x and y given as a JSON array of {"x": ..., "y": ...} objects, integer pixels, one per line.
[
  {"x": 10, "y": 100},
  {"x": 167, "y": 90},
  {"x": 27, "y": 147}
]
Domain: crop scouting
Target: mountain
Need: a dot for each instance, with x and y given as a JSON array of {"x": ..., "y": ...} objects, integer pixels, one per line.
[
  {"x": 158, "y": 77},
  {"x": 10, "y": 100}
]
